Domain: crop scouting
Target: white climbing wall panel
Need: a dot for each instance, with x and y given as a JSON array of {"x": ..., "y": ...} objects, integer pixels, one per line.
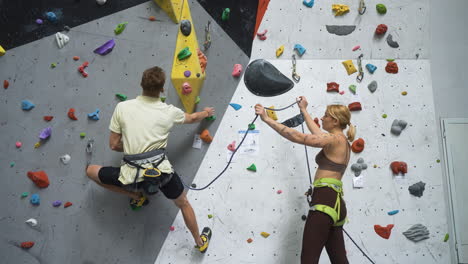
[{"x": 245, "y": 203}]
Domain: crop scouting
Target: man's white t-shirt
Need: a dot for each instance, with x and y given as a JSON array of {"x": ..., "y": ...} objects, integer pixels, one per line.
[{"x": 145, "y": 123}]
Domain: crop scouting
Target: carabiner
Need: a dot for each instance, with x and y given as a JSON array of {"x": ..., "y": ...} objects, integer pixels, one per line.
[
  {"x": 362, "y": 7},
  {"x": 207, "y": 43},
  {"x": 361, "y": 72}
]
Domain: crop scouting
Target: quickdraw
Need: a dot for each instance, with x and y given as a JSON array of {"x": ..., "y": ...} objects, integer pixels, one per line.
[
  {"x": 296, "y": 77},
  {"x": 361, "y": 72},
  {"x": 362, "y": 7},
  {"x": 207, "y": 43}
]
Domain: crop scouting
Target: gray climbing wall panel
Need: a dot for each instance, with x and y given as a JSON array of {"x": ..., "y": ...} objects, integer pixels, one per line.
[
  {"x": 245, "y": 203},
  {"x": 99, "y": 227}
]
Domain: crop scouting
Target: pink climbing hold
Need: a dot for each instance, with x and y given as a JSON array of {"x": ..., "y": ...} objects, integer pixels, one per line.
[
  {"x": 237, "y": 70},
  {"x": 262, "y": 36},
  {"x": 279, "y": 192},
  {"x": 18, "y": 144},
  {"x": 232, "y": 146},
  {"x": 172, "y": 228},
  {"x": 341, "y": 92},
  {"x": 186, "y": 88},
  {"x": 356, "y": 48}
]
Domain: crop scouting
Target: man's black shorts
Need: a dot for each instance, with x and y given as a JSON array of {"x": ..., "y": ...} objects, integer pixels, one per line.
[{"x": 172, "y": 190}]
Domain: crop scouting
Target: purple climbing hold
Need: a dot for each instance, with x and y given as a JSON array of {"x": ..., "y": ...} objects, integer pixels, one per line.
[
  {"x": 39, "y": 21},
  {"x": 106, "y": 48},
  {"x": 57, "y": 203},
  {"x": 45, "y": 133},
  {"x": 187, "y": 73}
]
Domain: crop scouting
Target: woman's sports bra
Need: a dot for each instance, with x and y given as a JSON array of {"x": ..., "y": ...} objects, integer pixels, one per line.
[{"x": 325, "y": 163}]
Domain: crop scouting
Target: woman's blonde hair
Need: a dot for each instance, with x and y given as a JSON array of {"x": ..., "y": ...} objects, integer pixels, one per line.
[{"x": 343, "y": 115}]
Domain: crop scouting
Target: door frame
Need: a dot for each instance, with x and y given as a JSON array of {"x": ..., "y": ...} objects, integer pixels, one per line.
[{"x": 448, "y": 186}]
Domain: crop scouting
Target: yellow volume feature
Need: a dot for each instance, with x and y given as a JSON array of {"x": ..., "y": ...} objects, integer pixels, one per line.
[{"x": 172, "y": 8}]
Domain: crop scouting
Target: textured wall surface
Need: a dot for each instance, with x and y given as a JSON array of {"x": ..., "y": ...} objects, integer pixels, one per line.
[
  {"x": 245, "y": 203},
  {"x": 99, "y": 227}
]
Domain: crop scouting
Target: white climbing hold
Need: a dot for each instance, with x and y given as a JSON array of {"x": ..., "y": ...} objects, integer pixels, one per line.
[
  {"x": 65, "y": 159},
  {"x": 101, "y": 2},
  {"x": 31, "y": 222},
  {"x": 62, "y": 39}
]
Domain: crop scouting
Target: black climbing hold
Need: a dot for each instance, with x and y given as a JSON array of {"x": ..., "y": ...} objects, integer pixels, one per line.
[
  {"x": 294, "y": 121},
  {"x": 198, "y": 75},
  {"x": 264, "y": 79},
  {"x": 304, "y": 217},
  {"x": 185, "y": 27},
  {"x": 193, "y": 185}
]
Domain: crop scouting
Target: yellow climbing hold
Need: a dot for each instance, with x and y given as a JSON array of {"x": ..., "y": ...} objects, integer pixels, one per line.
[
  {"x": 350, "y": 68},
  {"x": 279, "y": 51},
  {"x": 340, "y": 9},
  {"x": 271, "y": 113},
  {"x": 38, "y": 144},
  {"x": 172, "y": 8},
  {"x": 264, "y": 234},
  {"x": 404, "y": 93},
  {"x": 2, "y": 51},
  {"x": 188, "y": 70}
]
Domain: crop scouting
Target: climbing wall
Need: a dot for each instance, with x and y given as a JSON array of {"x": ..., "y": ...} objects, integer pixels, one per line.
[
  {"x": 99, "y": 227},
  {"x": 243, "y": 203}
]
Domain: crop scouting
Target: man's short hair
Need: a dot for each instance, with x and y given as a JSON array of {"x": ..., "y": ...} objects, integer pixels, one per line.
[{"x": 153, "y": 79}]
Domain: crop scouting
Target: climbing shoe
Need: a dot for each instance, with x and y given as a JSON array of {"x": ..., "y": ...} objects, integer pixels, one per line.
[
  {"x": 205, "y": 237},
  {"x": 137, "y": 204}
]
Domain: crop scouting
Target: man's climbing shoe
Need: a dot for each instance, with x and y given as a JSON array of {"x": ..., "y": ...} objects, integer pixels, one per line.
[
  {"x": 205, "y": 237},
  {"x": 136, "y": 204}
]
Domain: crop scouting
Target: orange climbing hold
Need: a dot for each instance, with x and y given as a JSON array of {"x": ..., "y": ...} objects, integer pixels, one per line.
[
  {"x": 67, "y": 204},
  {"x": 399, "y": 166},
  {"x": 71, "y": 114},
  {"x": 48, "y": 118},
  {"x": 391, "y": 67},
  {"x": 203, "y": 60},
  {"x": 6, "y": 83},
  {"x": 39, "y": 178},
  {"x": 75, "y": 58},
  {"x": 205, "y": 136},
  {"x": 384, "y": 232},
  {"x": 358, "y": 145},
  {"x": 27, "y": 244}
]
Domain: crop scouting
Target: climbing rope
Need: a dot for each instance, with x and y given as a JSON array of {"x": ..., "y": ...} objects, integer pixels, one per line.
[
  {"x": 250, "y": 127},
  {"x": 296, "y": 77}
]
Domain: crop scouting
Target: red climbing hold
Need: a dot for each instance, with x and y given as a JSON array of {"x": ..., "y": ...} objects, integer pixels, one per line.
[
  {"x": 391, "y": 67},
  {"x": 381, "y": 29},
  {"x": 48, "y": 118},
  {"x": 67, "y": 204},
  {"x": 27, "y": 244},
  {"x": 81, "y": 69},
  {"x": 333, "y": 87},
  {"x": 399, "y": 166},
  {"x": 75, "y": 58},
  {"x": 152, "y": 18},
  {"x": 384, "y": 232},
  {"x": 71, "y": 114},
  {"x": 39, "y": 178},
  {"x": 205, "y": 136},
  {"x": 356, "y": 106},
  {"x": 316, "y": 120},
  {"x": 358, "y": 145},
  {"x": 6, "y": 83}
]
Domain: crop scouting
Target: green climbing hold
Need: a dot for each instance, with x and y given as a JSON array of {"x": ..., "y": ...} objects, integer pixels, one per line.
[
  {"x": 210, "y": 216},
  {"x": 12, "y": 164},
  {"x": 184, "y": 54},
  {"x": 252, "y": 167},
  {"x": 251, "y": 126},
  {"x": 53, "y": 65},
  {"x": 122, "y": 97},
  {"x": 82, "y": 134},
  {"x": 120, "y": 28},
  {"x": 352, "y": 88},
  {"x": 438, "y": 161},
  {"x": 211, "y": 118},
  {"x": 384, "y": 116},
  {"x": 197, "y": 100},
  {"x": 25, "y": 194},
  {"x": 390, "y": 59},
  {"x": 163, "y": 99},
  {"x": 226, "y": 14},
  {"x": 381, "y": 9},
  {"x": 446, "y": 238}
]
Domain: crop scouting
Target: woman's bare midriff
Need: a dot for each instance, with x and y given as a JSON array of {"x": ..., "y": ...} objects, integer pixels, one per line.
[{"x": 327, "y": 174}]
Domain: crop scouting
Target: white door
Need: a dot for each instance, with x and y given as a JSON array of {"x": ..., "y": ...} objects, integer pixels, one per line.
[{"x": 456, "y": 156}]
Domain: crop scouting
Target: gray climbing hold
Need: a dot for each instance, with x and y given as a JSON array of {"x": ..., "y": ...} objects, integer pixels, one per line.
[
  {"x": 398, "y": 126},
  {"x": 340, "y": 30},
  {"x": 294, "y": 121},
  {"x": 417, "y": 189},
  {"x": 31, "y": 222},
  {"x": 417, "y": 233},
  {"x": 185, "y": 27},
  {"x": 358, "y": 167},
  {"x": 65, "y": 159},
  {"x": 372, "y": 86},
  {"x": 392, "y": 43}
]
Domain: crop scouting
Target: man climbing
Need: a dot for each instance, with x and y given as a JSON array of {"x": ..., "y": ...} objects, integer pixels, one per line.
[{"x": 140, "y": 129}]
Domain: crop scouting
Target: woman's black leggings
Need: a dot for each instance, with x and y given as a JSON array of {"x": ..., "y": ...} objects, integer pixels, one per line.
[{"x": 319, "y": 231}]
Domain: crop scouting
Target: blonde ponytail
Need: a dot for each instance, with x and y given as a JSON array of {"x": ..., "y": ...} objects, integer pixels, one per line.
[{"x": 351, "y": 132}]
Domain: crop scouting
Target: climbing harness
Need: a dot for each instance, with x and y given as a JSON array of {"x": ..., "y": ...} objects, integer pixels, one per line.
[
  {"x": 153, "y": 179},
  {"x": 207, "y": 43},
  {"x": 361, "y": 72},
  {"x": 334, "y": 212},
  {"x": 296, "y": 77},
  {"x": 362, "y": 7}
]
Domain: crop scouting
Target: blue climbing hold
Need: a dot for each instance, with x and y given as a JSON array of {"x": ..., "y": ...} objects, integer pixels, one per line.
[
  {"x": 299, "y": 49},
  {"x": 27, "y": 105},
  {"x": 51, "y": 16},
  {"x": 394, "y": 212},
  {"x": 35, "y": 199},
  {"x": 235, "y": 106},
  {"x": 371, "y": 68},
  {"x": 309, "y": 3},
  {"x": 94, "y": 115}
]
